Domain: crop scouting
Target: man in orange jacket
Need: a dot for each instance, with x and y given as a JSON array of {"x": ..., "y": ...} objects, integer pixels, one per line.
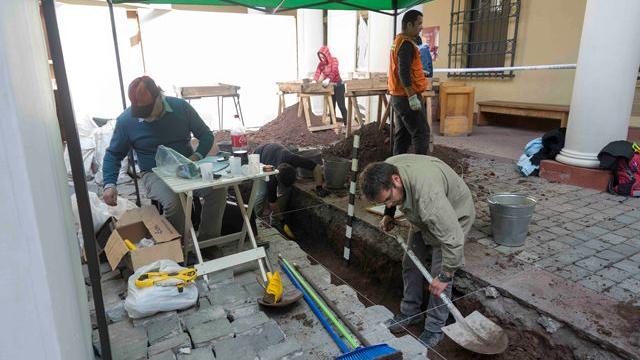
[{"x": 407, "y": 82}]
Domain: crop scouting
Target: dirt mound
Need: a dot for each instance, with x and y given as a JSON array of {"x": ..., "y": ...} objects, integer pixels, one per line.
[
  {"x": 286, "y": 129},
  {"x": 289, "y": 129},
  {"x": 374, "y": 146},
  {"x": 523, "y": 345}
]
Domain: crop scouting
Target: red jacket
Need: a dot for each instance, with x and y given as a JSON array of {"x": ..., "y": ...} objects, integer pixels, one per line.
[{"x": 328, "y": 67}]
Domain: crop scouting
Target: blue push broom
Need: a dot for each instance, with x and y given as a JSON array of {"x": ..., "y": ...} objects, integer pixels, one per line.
[{"x": 368, "y": 352}]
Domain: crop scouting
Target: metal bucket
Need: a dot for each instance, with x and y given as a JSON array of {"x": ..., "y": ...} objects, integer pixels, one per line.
[
  {"x": 314, "y": 155},
  {"x": 336, "y": 171},
  {"x": 510, "y": 218}
]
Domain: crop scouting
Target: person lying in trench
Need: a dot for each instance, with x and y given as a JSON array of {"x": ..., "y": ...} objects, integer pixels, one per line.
[
  {"x": 277, "y": 191},
  {"x": 438, "y": 205}
]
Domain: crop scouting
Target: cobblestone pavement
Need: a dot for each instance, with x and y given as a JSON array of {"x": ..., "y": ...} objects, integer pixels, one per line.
[
  {"x": 227, "y": 322},
  {"x": 588, "y": 237}
]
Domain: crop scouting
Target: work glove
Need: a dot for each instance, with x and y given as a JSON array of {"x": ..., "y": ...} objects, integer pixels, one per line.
[
  {"x": 322, "y": 192},
  {"x": 387, "y": 223},
  {"x": 414, "y": 102}
]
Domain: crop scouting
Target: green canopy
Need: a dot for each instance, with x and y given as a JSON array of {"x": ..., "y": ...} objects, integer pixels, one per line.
[{"x": 283, "y": 5}]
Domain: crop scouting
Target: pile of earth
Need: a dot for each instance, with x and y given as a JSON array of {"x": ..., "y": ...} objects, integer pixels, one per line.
[
  {"x": 375, "y": 146},
  {"x": 287, "y": 129}
]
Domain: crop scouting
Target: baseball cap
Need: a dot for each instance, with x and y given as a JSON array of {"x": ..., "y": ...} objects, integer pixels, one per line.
[{"x": 142, "y": 94}]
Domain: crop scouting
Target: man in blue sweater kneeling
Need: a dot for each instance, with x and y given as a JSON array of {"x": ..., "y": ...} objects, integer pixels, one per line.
[{"x": 153, "y": 120}]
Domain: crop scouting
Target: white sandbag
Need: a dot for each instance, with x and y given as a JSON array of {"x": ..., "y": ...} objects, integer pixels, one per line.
[{"x": 143, "y": 302}]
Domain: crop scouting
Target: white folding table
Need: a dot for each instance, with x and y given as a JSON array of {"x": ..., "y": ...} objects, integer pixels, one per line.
[{"x": 185, "y": 187}]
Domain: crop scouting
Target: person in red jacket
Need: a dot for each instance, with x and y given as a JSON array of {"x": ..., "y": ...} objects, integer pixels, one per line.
[{"x": 328, "y": 69}]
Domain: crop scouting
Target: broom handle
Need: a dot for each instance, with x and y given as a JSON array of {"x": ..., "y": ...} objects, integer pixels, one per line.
[
  {"x": 343, "y": 347},
  {"x": 334, "y": 308},
  {"x": 329, "y": 314},
  {"x": 452, "y": 308}
]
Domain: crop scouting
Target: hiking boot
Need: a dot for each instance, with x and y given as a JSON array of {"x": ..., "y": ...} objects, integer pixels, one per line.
[
  {"x": 431, "y": 339},
  {"x": 399, "y": 322}
]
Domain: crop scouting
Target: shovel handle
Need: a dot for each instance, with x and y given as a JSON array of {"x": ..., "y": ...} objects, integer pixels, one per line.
[{"x": 452, "y": 308}]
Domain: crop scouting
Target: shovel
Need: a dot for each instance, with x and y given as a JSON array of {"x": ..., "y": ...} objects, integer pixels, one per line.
[{"x": 475, "y": 332}]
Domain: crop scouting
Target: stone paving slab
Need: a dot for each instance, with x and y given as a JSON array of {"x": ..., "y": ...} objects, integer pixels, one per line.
[
  {"x": 127, "y": 342},
  {"x": 172, "y": 344},
  {"x": 164, "y": 329},
  {"x": 204, "y": 353}
]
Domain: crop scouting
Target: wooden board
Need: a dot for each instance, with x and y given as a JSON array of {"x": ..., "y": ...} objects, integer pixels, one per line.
[
  {"x": 525, "y": 106},
  {"x": 456, "y": 110},
  {"x": 323, "y": 127},
  {"x": 195, "y": 92},
  {"x": 297, "y": 87},
  {"x": 545, "y": 111}
]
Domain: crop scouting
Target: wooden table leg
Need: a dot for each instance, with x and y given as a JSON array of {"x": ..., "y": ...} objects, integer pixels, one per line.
[
  {"x": 325, "y": 111},
  {"x": 306, "y": 104},
  {"x": 300, "y": 105},
  {"x": 482, "y": 119},
  {"x": 386, "y": 114},
  {"x": 349, "y": 117},
  {"x": 356, "y": 111},
  {"x": 280, "y": 104},
  {"x": 379, "y": 114},
  {"x": 247, "y": 223},
  {"x": 332, "y": 111},
  {"x": 564, "y": 120}
]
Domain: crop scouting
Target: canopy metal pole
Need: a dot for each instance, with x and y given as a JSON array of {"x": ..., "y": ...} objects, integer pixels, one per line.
[
  {"x": 77, "y": 170},
  {"x": 394, "y": 4},
  {"x": 132, "y": 164}
]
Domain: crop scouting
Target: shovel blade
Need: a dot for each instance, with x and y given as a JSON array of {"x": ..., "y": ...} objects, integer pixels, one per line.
[{"x": 478, "y": 334}]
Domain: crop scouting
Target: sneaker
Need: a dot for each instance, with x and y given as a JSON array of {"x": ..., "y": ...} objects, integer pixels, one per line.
[
  {"x": 431, "y": 339},
  {"x": 399, "y": 322}
]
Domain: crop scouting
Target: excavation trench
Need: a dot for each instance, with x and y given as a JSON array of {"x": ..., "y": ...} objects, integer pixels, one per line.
[{"x": 374, "y": 271}]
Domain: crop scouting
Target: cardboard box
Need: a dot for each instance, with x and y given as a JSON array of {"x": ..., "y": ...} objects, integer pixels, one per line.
[{"x": 136, "y": 224}]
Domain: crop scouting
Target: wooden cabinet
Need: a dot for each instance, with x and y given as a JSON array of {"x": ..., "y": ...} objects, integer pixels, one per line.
[{"x": 456, "y": 109}]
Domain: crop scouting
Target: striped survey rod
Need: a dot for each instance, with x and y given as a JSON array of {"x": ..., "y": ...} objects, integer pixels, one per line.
[{"x": 352, "y": 198}]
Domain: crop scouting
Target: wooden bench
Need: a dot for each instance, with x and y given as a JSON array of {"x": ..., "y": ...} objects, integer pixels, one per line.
[{"x": 546, "y": 111}]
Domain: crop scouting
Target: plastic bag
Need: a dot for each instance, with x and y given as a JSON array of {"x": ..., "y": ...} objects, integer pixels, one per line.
[
  {"x": 100, "y": 212},
  {"x": 172, "y": 163},
  {"x": 142, "y": 302}
]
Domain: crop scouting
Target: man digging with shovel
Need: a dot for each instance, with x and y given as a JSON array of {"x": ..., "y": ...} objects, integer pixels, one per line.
[{"x": 439, "y": 206}]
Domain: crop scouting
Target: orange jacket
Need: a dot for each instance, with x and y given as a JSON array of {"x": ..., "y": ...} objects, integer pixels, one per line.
[{"x": 418, "y": 79}]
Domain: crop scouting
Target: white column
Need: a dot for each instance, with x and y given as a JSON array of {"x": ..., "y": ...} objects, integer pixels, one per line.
[
  {"x": 341, "y": 38},
  {"x": 380, "y": 40},
  {"x": 43, "y": 301},
  {"x": 310, "y": 36},
  {"x": 605, "y": 80}
]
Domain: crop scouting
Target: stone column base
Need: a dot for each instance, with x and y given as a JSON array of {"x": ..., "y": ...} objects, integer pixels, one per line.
[{"x": 573, "y": 175}]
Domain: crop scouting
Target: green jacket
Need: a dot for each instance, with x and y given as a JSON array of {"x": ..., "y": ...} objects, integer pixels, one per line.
[{"x": 438, "y": 203}]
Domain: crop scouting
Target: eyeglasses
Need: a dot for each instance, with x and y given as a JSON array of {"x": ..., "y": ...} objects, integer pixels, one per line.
[{"x": 390, "y": 196}]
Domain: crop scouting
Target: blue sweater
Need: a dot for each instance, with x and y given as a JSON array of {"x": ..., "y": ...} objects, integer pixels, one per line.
[
  {"x": 172, "y": 129},
  {"x": 427, "y": 62}
]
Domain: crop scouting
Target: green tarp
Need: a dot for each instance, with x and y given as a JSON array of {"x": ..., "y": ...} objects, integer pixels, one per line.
[{"x": 375, "y": 5}]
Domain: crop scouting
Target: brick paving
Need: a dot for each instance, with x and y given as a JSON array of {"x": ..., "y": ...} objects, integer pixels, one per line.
[
  {"x": 227, "y": 322},
  {"x": 588, "y": 237}
]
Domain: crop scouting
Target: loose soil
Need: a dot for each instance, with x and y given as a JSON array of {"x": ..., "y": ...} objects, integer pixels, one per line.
[
  {"x": 631, "y": 313},
  {"x": 375, "y": 146},
  {"x": 287, "y": 129},
  {"x": 387, "y": 291},
  {"x": 523, "y": 345}
]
